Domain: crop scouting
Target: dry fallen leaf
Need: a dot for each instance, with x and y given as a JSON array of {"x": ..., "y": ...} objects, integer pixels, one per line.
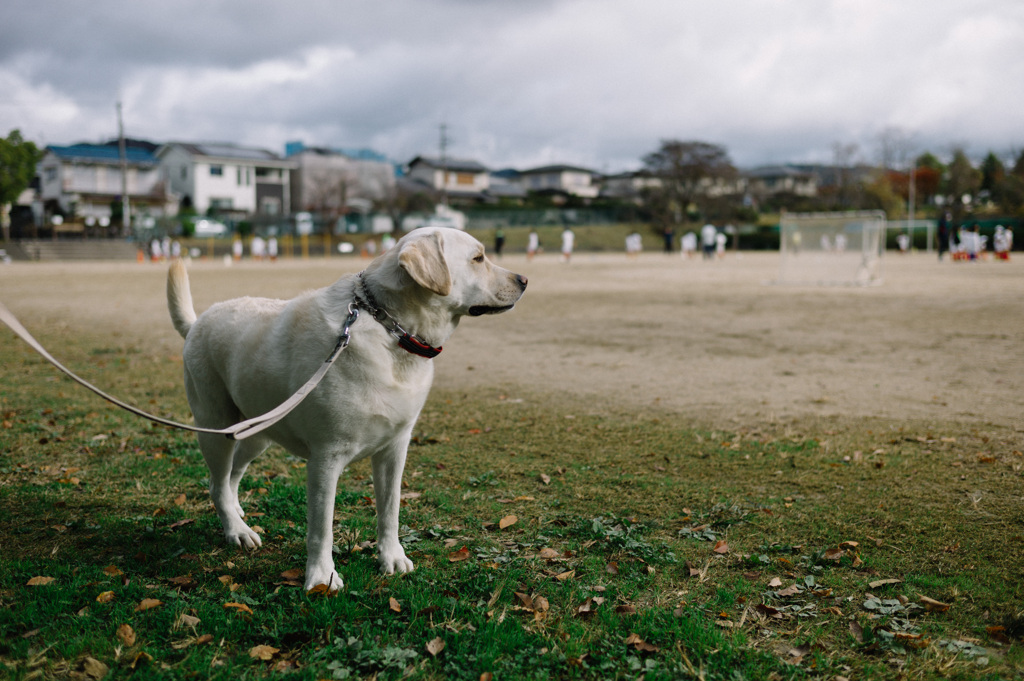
[
  {"x": 322, "y": 590},
  {"x": 293, "y": 574},
  {"x": 507, "y": 521},
  {"x": 775, "y": 583},
  {"x": 394, "y": 605},
  {"x": 549, "y": 554},
  {"x": 105, "y": 597},
  {"x": 241, "y": 607},
  {"x": 180, "y": 500},
  {"x": 612, "y": 567},
  {"x": 932, "y": 605},
  {"x": 834, "y": 553},
  {"x": 565, "y": 575},
  {"x": 126, "y": 634},
  {"x": 263, "y": 652},
  {"x": 187, "y": 621},
  {"x": 525, "y": 600},
  {"x": 148, "y": 604},
  {"x": 640, "y": 644},
  {"x": 435, "y": 646},
  {"x": 40, "y": 581},
  {"x": 205, "y": 638},
  {"x": 112, "y": 570},
  {"x": 546, "y": 479},
  {"x": 94, "y": 669},
  {"x": 457, "y": 556},
  {"x": 883, "y": 582},
  {"x": 721, "y": 547},
  {"x": 141, "y": 658}
]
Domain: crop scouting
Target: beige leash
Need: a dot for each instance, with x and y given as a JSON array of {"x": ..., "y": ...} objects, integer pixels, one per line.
[{"x": 239, "y": 431}]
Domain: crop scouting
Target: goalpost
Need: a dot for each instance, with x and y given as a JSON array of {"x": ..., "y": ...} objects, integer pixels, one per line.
[{"x": 837, "y": 249}]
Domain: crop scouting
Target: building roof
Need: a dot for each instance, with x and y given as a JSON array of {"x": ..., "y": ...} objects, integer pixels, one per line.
[
  {"x": 768, "y": 172},
  {"x": 108, "y": 153},
  {"x": 547, "y": 170},
  {"x": 231, "y": 152},
  {"x": 453, "y": 164}
]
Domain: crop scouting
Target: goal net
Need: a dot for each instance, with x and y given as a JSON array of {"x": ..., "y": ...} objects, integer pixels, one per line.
[{"x": 837, "y": 249}]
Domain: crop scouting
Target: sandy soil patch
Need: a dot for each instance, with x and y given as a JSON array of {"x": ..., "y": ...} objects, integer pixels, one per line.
[{"x": 707, "y": 341}]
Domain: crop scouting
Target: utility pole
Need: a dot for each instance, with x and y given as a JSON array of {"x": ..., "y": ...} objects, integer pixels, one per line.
[
  {"x": 126, "y": 218},
  {"x": 444, "y": 165}
]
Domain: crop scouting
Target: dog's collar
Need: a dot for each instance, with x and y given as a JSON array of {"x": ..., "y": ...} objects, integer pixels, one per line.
[{"x": 406, "y": 340}]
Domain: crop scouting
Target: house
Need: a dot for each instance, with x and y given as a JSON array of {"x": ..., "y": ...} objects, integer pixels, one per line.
[
  {"x": 564, "y": 179},
  {"x": 629, "y": 186},
  {"x": 768, "y": 180},
  {"x": 228, "y": 179},
  {"x": 332, "y": 180},
  {"x": 504, "y": 185},
  {"x": 84, "y": 180},
  {"x": 461, "y": 180}
]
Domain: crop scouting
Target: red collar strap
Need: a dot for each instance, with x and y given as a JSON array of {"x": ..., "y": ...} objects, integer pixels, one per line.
[{"x": 406, "y": 340}]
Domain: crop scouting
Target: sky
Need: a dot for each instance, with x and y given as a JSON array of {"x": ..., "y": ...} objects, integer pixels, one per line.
[{"x": 523, "y": 83}]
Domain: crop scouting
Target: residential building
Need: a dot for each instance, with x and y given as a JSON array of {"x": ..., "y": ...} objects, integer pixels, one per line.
[
  {"x": 629, "y": 186},
  {"x": 460, "y": 180},
  {"x": 85, "y": 181},
  {"x": 564, "y": 179},
  {"x": 779, "y": 179},
  {"x": 228, "y": 179}
]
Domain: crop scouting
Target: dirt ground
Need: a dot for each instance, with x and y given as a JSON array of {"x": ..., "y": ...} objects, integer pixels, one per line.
[{"x": 712, "y": 342}]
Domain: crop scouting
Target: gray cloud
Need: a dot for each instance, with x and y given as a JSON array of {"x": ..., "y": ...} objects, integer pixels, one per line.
[{"x": 591, "y": 82}]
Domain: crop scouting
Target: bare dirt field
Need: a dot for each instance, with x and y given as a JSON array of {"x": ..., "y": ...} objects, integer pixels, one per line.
[{"x": 712, "y": 342}]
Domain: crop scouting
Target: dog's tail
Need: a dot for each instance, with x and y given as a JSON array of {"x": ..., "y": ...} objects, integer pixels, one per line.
[{"x": 179, "y": 298}]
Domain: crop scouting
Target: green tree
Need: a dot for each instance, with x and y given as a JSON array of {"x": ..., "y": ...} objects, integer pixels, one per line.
[
  {"x": 18, "y": 160},
  {"x": 963, "y": 182}
]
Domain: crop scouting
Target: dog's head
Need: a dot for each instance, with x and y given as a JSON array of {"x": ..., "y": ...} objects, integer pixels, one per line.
[{"x": 453, "y": 265}]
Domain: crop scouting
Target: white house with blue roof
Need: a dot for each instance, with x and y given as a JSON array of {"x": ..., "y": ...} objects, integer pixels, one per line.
[{"x": 84, "y": 180}]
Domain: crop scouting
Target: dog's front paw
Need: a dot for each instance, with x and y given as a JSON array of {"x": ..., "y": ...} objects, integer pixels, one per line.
[
  {"x": 323, "y": 577},
  {"x": 243, "y": 536},
  {"x": 394, "y": 561}
]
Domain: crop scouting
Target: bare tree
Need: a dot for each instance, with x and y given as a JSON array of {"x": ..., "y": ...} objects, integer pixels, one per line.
[
  {"x": 690, "y": 174},
  {"x": 327, "y": 192},
  {"x": 843, "y": 157}
]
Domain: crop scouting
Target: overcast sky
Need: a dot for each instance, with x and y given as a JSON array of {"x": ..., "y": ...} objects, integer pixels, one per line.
[{"x": 522, "y": 83}]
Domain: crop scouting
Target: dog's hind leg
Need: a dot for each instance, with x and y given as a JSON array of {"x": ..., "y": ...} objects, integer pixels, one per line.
[{"x": 218, "y": 452}]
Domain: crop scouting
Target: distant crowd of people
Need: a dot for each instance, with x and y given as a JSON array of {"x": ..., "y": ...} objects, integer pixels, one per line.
[{"x": 968, "y": 244}]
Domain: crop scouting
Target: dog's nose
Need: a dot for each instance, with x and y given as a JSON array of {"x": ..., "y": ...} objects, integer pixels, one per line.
[{"x": 522, "y": 281}]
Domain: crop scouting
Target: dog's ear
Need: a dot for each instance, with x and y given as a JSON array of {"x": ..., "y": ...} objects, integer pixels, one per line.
[{"x": 424, "y": 260}]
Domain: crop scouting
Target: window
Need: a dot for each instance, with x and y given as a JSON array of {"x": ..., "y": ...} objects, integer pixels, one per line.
[
  {"x": 184, "y": 172},
  {"x": 464, "y": 178},
  {"x": 221, "y": 204},
  {"x": 217, "y": 171}
]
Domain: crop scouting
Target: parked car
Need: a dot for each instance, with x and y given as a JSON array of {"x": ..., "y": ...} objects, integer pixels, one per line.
[{"x": 209, "y": 228}]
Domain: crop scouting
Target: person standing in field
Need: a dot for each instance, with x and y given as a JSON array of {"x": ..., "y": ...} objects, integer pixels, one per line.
[
  {"x": 689, "y": 244},
  {"x": 943, "y": 233},
  {"x": 568, "y": 243},
  {"x": 499, "y": 241},
  {"x": 532, "y": 244},
  {"x": 708, "y": 237}
]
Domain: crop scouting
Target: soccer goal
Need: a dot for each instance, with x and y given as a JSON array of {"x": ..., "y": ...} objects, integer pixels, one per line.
[{"x": 833, "y": 249}]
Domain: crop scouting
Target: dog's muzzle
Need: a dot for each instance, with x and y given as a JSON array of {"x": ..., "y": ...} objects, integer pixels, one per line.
[{"x": 479, "y": 310}]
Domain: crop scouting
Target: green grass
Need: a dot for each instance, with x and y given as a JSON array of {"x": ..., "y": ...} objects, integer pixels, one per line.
[{"x": 609, "y": 571}]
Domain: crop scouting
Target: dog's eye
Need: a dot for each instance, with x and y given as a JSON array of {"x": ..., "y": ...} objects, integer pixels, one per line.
[{"x": 479, "y": 258}]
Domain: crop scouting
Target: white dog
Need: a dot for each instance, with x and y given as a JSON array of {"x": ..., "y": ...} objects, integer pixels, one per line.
[{"x": 245, "y": 356}]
